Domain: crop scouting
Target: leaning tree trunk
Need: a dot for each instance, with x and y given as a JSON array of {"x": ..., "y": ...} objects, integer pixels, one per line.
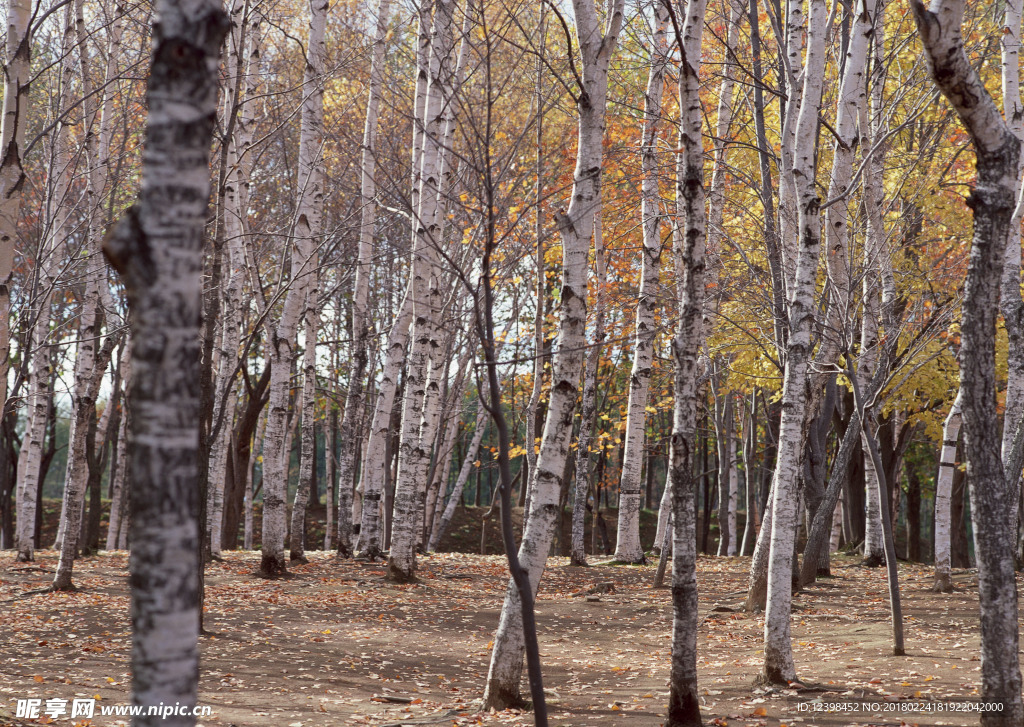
[
  {"x": 460, "y": 483},
  {"x": 575, "y": 226},
  {"x": 993, "y": 499},
  {"x": 157, "y": 249},
  {"x": 853, "y": 98},
  {"x": 372, "y": 472}
]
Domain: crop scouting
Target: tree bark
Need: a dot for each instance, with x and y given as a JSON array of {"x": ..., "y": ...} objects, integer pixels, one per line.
[
  {"x": 156, "y": 247},
  {"x": 778, "y": 658},
  {"x": 683, "y": 700},
  {"x": 588, "y": 413},
  {"x": 943, "y": 494},
  {"x": 993, "y": 499},
  {"x": 15, "y": 110},
  {"x": 575, "y": 226},
  {"x": 282, "y": 337},
  {"x": 628, "y": 547}
]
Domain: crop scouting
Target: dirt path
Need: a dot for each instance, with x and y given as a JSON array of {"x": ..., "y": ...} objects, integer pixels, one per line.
[{"x": 338, "y": 645}]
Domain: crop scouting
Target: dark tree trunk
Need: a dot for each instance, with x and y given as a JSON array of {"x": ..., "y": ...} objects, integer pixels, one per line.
[
  {"x": 239, "y": 455},
  {"x": 47, "y": 460},
  {"x": 913, "y": 515},
  {"x": 993, "y": 498}
]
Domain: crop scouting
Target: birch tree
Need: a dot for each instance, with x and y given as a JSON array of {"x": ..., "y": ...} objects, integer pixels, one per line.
[
  {"x": 370, "y": 543},
  {"x": 244, "y": 48},
  {"x": 156, "y": 247},
  {"x": 575, "y": 227},
  {"x": 57, "y": 212},
  {"x": 588, "y": 407},
  {"x": 282, "y": 337},
  {"x": 778, "y": 656},
  {"x": 360, "y": 293},
  {"x": 1011, "y": 304},
  {"x": 15, "y": 108},
  {"x": 460, "y": 482},
  {"x": 993, "y": 498},
  {"x": 628, "y": 547},
  {"x": 419, "y": 412},
  {"x": 91, "y": 359},
  {"x": 943, "y": 494},
  {"x": 691, "y": 222}
]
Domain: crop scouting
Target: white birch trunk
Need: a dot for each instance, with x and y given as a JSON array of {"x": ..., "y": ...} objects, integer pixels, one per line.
[
  {"x": 719, "y": 172},
  {"x": 1011, "y": 304},
  {"x": 372, "y": 473},
  {"x": 943, "y": 497},
  {"x": 438, "y": 482},
  {"x": 244, "y": 61},
  {"x": 419, "y": 411},
  {"x": 15, "y": 119},
  {"x": 733, "y": 491},
  {"x": 852, "y": 99},
  {"x": 89, "y": 369},
  {"x": 796, "y": 28},
  {"x": 119, "y": 499},
  {"x": 691, "y": 223},
  {"x": 38, "y": 398},
  {"x": 628, "y": 547},
  {"x": 778, "y": 657},
  {"x": 460, "y": 483},
  {"x": 877, "y": 280},
  {"x": 99, "y": 122},
  {"x": 307, "y": 430},
  {"x": 722, "y": 418},
  {"x": 57, "y": 220},
  {"x": 247, "y": 527},
  {"x": 156, "y": 247},
  {"x": 282, "y": 338},
  {"x": 87, "y": 374},
  {"x": 575, "y": 226},
  {"x": 360, "y": 293},
  {"x": 588, "y": 411}
]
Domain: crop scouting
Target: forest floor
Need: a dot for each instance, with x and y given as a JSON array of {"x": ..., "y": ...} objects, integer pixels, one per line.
[{"x": 337, "y": 645}]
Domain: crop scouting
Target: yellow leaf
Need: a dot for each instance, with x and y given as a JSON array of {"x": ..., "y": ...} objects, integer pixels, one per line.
[
  {"x": 38, "y": 678},
  {"x": 760, "y": 712}
]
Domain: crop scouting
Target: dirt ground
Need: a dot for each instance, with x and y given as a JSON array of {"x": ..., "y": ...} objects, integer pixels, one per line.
[{"x": 337, "y": 645}]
